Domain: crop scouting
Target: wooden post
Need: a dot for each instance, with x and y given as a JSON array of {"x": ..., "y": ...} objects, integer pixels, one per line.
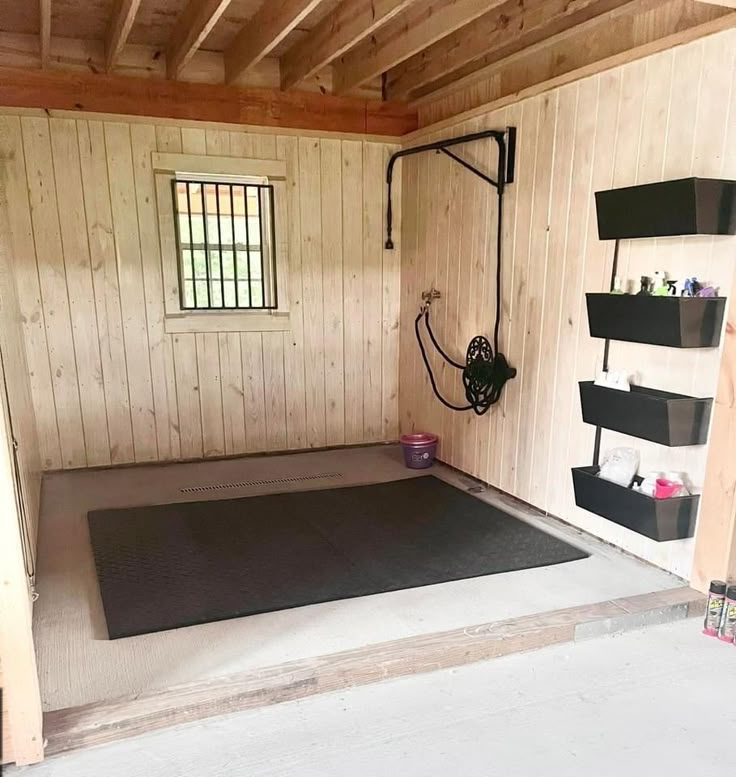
[
  {"x": 21, "y": 693},
  {"x": 715, "y": 540}
]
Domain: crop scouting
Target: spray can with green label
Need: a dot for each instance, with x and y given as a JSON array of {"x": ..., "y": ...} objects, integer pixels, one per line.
[
  {"x": 714, "y": 608},
  {"x": 727, "y": 632}
]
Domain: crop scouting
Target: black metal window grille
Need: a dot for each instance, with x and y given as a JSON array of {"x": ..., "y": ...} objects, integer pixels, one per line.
[{"x": 226, "y": 244}]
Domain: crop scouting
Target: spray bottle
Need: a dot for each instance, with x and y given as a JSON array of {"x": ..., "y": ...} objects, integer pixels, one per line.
[{"x": 714, "y": 608}]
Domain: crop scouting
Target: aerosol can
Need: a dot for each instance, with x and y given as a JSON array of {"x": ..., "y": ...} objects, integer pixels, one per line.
[
  {"x": 727, "y": 632},
  {"x": 714, "y": 608}
]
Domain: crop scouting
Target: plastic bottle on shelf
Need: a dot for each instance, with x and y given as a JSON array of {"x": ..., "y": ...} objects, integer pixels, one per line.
[
  {"x": 727, "y": 632},
  {"x": 714, "y": 608}
]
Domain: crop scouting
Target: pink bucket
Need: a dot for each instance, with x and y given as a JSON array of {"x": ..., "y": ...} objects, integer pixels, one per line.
[{"x": 419, "y": 449}]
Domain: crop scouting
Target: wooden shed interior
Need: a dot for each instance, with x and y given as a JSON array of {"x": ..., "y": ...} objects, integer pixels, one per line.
[{"x": 146, "y": 362}]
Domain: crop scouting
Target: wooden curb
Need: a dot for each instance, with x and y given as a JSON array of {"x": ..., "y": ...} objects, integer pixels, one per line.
[{"x": 102, "y": 722}]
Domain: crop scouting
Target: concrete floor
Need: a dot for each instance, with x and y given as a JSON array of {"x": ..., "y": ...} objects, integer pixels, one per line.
[
  {"x": 658, "y": 702},
  {"x": 78, "y": 664}
]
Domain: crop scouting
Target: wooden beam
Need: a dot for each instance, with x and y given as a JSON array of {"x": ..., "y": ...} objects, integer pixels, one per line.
[
  {"x": 201, "y": 102},
  {"x": 715, "y": 540},
  {"x": 119, "y": 29},
  {"x": 103, "y": 722},
  {"x": 45, "y": 31},
  {"x": 21, "y": 694},
  {"x": 511, "y": 27},
  {"x": 530, "y": 73},
  {"x": 193, "y": 25},
  {"x": 419, "y": 27},
  {"x": 271, "y": 24},
  {"x": 6, "y": 753},
  {"x": 725, "y": 3},
  {"x": 20, "y": 50},
  {"x": 532, "y": 50},
  {"x": 345, "y": 27}
]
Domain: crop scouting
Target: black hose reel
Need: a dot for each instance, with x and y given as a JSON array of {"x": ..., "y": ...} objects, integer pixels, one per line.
[
  {"x": 486, "y": 370},
  {"x": 484, "y": 373}
]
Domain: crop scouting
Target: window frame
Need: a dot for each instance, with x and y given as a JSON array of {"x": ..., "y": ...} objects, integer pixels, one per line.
[
  {"x": 167, "y": 169},
  {"x": 266, "y": 242}
]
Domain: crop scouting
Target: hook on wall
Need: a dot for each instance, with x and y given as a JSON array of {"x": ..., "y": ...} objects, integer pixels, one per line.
[
  {"x": 486, "y": 370},
  {"x": 506, "y": 141}
]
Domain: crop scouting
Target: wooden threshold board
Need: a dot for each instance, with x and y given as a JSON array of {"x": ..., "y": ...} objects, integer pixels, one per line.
[{"x": 103, "y": 722}]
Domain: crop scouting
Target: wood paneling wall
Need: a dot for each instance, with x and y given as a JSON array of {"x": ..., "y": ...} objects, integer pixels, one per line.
[
  {"x": 110, "y": 386},
  {"x": 667, "y": 116}
]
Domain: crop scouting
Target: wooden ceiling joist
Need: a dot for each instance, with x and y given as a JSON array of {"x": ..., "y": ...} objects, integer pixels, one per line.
[
  {"x": 20, "y": 50},
  {"x": 510, "y": 28},
  {"x": 44, "y": 10},
  {"x": 419, "y": 27},
  {"x": 117, "y": 34},
  {"x": 271, "y": 24},
  {"x": 350, "y": 23},
  {"x": 562, "y": 59},
  {"x": 437, "y": 55},
  {"x": 192, "y": 27},
  {"x": 633, "y": 27}
]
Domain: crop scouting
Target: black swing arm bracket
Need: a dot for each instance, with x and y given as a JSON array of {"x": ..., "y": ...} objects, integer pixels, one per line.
[{"x": 506, "y": 141}]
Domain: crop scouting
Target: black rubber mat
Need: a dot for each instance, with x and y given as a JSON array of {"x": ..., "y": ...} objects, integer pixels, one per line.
[{"x": 174, "y": 565}]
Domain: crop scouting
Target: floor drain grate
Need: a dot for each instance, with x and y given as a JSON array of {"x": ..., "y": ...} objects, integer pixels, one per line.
[{"x": 265, "y": 482}]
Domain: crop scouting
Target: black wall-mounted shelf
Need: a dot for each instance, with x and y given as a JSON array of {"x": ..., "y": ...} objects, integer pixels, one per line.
[
  {"x": 649, "y": 414},
  {"x": 687, "y": 206},
  {"x": 679, "y": 322},
  {"x": 662, "y": 520}
]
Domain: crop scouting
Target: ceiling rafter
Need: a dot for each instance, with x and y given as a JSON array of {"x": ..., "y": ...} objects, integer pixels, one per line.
[
  {"x": 638, "y": 20},
  {"x": 414, "y": 30},
  {"x": 271, "y": 24},
  {"x": 563, "y": 59},
  {"x": 119, "y": 29},
  {"x": 44, "y": 10},
  {"x": 192, "y": 27},
  {"x": 418, "y": 51},
  {"x": 345, "y": 27},
  {"x": 507, "y": 29}
]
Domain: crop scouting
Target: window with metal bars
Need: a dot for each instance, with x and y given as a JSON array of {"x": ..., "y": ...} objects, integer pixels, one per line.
[{"x": 226, "y": 244}]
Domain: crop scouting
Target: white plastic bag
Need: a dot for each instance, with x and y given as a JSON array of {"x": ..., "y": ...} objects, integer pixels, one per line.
[{"x": 619, "y": 465}]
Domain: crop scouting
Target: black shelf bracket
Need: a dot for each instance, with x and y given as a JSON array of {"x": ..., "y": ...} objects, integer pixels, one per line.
[
  {"x": 606, "y": 352},
  {"x": 505, "y": 140}
]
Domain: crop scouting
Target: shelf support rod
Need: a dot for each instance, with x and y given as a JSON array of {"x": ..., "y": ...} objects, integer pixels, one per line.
[{"x": 606, "y": 352}]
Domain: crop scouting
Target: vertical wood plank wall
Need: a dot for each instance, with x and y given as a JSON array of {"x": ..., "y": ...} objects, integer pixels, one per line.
[
  {"x": 110, "y": 386},
  {"x": 668, "y": 116}
]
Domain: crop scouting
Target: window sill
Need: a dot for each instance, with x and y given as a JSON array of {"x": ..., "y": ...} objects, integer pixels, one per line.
[{"x": 208, "y": 321}]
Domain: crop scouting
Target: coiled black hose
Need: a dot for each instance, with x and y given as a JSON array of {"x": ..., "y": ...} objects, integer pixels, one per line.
[{"x": 485, "y": 371}]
